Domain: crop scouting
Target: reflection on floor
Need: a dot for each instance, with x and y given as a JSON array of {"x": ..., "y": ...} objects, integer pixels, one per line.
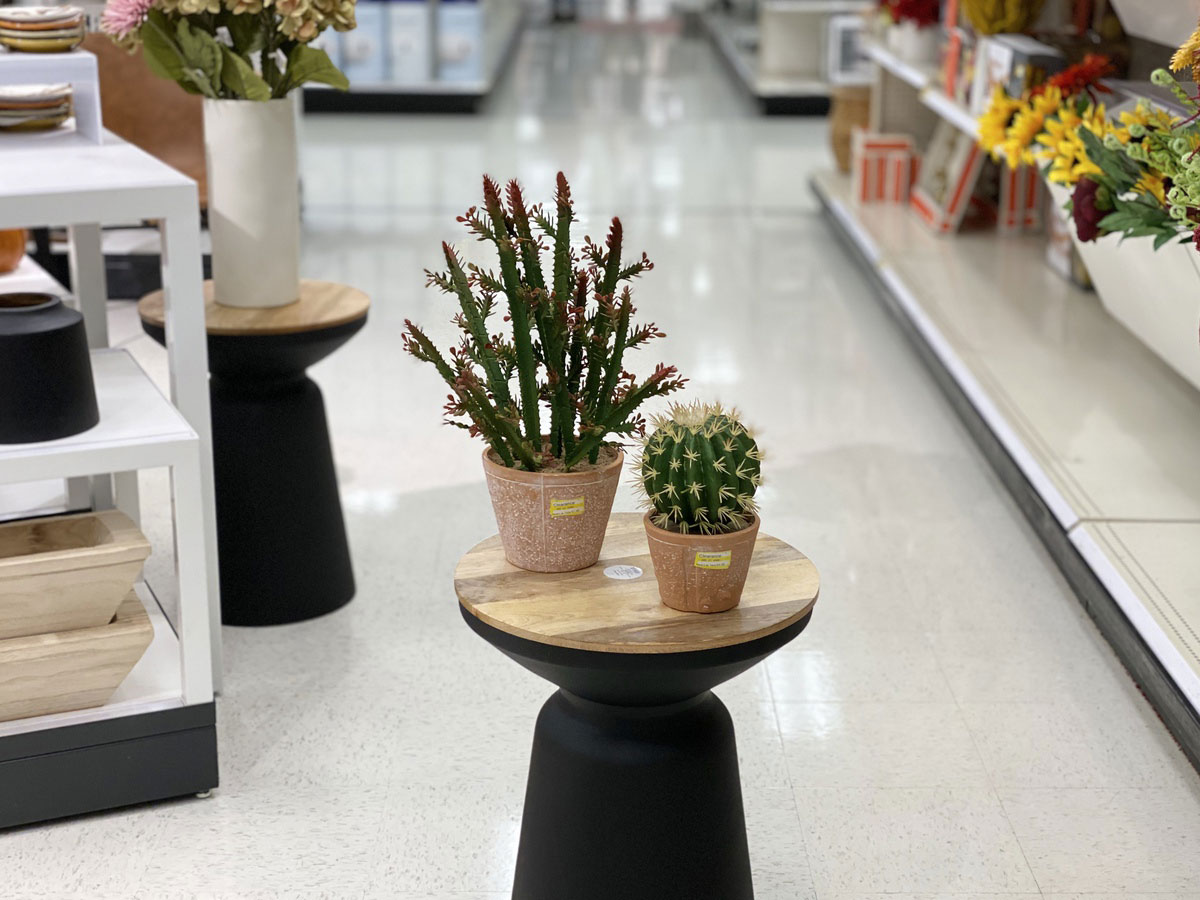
[{"x": 950, "y": 724}]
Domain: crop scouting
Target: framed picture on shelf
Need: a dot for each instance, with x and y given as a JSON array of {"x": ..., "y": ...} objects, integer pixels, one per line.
[{"x": 947, "y": 178}]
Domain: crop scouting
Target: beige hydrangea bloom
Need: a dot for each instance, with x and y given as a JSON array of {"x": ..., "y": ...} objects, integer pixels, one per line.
[
  {"x": 195, "y": 7},
  {"x": 245, "y": 7}
]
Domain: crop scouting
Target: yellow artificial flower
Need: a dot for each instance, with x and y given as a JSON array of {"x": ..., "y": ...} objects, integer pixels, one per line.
[
  {"x": 1063, "y": 149},
  {"x": 993, "y": 124},
  {"x": 1147, "y": 115},
  {"x": 1152, "y": 183},
  {"x": 1027, "y": 124},
  {"x": 1188, "y": 55}
]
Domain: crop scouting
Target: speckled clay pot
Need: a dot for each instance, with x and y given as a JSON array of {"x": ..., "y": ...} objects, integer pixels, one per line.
[
  {"x": 701, "y": 572},
  {"x": 552, "y": 522}
]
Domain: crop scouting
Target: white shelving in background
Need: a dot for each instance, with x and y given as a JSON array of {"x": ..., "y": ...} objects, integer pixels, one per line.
[
  {"x": 780, "y": 55},
  {"x": 1103, "y": 431},
  {"x": 59, "y": 179}
]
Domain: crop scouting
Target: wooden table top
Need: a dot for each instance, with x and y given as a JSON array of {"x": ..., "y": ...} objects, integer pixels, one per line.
[
  {"x": 589, "y": 610},
  {"x": 322, "y": 304}
]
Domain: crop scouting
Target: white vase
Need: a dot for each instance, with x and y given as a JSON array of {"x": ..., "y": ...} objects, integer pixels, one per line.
[{"x": 253, "y": 201}]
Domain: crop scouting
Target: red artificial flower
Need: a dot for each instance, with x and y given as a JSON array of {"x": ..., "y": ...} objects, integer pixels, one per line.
[
  {"x": 1086, "y": 211},
  {"x": 1081, "y": 77},
  {"x": 922, "y": 12}
]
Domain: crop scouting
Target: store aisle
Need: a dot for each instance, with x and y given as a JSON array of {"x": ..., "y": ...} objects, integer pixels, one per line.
[{"x": 951, "y": 723}]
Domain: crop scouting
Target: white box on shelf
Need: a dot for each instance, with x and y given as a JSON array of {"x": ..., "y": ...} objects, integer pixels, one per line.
[
  {"x": 76, "y": 68},
  {"x": 882, "y": 167}
]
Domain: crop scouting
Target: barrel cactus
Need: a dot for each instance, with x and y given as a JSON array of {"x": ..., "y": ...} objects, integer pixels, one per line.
[{"x": 699, "y": 470}]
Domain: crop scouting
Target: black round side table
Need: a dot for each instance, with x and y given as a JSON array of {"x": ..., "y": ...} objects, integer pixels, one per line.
[
  {"x": 281, "y": 537},
  {"x": 633, "y": 791}
]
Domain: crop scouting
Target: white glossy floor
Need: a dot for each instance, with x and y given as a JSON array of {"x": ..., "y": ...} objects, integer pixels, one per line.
[{"x": 951, "y": 724}]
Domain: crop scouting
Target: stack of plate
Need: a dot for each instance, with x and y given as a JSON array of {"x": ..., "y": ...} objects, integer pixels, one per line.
[
  {"x": 41, "y": 29},
  {"x": 32, "y": 107}
]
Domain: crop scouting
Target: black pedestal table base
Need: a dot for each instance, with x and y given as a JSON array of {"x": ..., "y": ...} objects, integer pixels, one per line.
[
  {"x": 281, "y": 536},
  {"x": 634, "y": 791}
]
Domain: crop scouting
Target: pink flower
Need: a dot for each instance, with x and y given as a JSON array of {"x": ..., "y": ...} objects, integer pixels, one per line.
[{"x": 123, "y": 17}]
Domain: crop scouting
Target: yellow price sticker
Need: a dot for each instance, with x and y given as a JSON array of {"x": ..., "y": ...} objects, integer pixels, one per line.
[
  {"x": 572, "y": 507},
  {"x": 713, "y": 560}
]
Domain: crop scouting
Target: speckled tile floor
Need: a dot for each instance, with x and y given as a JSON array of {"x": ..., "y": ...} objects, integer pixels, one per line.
[{"x": 951, "y": 725}]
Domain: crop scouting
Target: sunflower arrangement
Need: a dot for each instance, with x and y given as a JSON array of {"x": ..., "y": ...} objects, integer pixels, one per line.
[
  {"x": 1148, "y": 178},
  {"x": 1030, "y": 129}
]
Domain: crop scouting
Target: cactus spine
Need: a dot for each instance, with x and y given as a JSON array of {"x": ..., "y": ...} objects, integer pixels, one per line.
[{"x": 699, "y": 470}]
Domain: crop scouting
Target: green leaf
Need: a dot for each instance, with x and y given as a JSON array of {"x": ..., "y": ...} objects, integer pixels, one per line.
[
  {"x": 304, "y": 64},
  {"x": 239, "y": 78},
  {"x": 160, "y": 51},
  {"x": 201, "y": 55},
  {"x": 246, "y": 31}
]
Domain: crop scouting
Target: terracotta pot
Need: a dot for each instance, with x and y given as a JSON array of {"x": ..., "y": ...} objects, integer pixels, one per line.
[
  {"x": 12, "y": 249},
  {"x": 701, "y": 572},
  {"x": 552, "y": 521}
]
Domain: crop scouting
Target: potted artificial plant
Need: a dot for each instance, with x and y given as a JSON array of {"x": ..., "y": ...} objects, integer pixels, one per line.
[
  {"x": 699, "y": 470},
  {"x": 244, "y": 57},
  {"x": 552, "y": 487}
]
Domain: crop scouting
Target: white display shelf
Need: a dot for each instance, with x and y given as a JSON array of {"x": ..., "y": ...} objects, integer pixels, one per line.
[
  {"x": 154, "y": 684},
  {"x": 950, "y": 110},
  {"x": 1105, "y": 434},
  {"x": 57, "y": 178},
  {"x": 138, "y": 429},
  {"x": 29, "y": 276},
  {"x": 163, "y": 715},
  {"x": 77, "y": 68},
  {"x": 919, "y": 77}
]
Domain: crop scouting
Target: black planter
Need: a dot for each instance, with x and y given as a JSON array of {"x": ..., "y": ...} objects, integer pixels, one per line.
[{"x": 46, "y": 387}]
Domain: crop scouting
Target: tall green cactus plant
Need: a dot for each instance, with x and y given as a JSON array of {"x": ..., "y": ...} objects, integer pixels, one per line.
[
  {"x": 570, "y": 329},
  {"x": 699, "y": 470}
]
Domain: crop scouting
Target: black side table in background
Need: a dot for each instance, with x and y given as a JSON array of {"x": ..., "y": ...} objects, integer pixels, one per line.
[{"x": 281, "y": 537}]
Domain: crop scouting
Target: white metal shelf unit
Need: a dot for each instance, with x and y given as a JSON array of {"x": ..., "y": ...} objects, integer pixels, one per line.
[
  {"x": 84, "y": 187},
  {"x": 77, "y": 68},
  {"x": 66, "y": 183}
]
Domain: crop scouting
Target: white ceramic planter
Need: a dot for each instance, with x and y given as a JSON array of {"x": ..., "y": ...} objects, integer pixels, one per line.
[
  {"x": 253, "y": 201},
  {"x": 913, "y": 44},
  {"x": 1154, "y": 294},
  {"x": 1164, "y": 21}
]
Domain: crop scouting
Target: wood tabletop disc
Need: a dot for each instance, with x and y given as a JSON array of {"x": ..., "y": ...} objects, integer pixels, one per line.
[
  {"x": 613, "y": 607},
  {"x": 322, "y": 304}
]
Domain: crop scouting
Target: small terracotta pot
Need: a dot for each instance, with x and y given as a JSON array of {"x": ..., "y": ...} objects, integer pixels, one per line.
[
  {"x": 701, "y": 572},
  {"x": 552, "y": 521},
  {"x": 12, "y": 248}
]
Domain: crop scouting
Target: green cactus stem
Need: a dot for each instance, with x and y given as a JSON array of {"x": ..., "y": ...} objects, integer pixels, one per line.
[{"x": 699, "y": 470}]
